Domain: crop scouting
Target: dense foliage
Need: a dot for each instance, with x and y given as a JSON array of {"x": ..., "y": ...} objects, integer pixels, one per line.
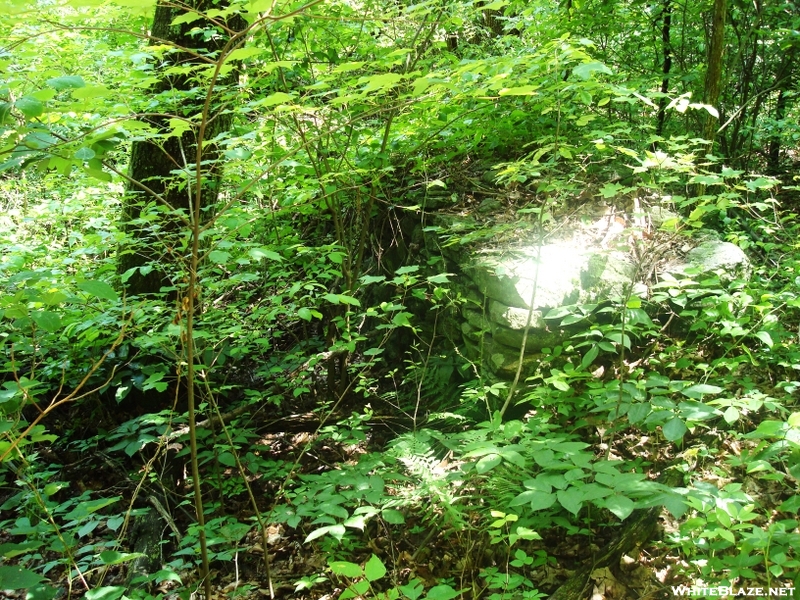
[{"x": 225, "y": 361}]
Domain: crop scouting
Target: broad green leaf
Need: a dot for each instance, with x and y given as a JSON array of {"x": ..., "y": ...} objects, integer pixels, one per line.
[
  {"x": 638, "y": 412},
  {"x": 374, "y": 569},
  {"x": 98, "y": 289},
  {"x": 523, "y": 498},
  {"x": 85, "y": 153},
  {"x": 260, "y": 253},
  {"x": 356, "y": 522},
  {"x": 674, "y": 429},
  {"x": 47, "y": 320},
  {"x": 245, "y": 52},
  {"x": 413, "y": 589},
  {"x": 571, "y": 499},
  {"x": 611, "y": 190},
  {"x": 765, "y": 337},
  {"x": 227, "y": 459},
  {"x": 731, "y": 415},
  {"x": 275, "y": 99},
  {"x": 698, "y": 390},
  {"x": 90, "y": 91},
  {"x": 113, "y": 557},
  {"x": 382, "y": 81},
  {"x": 29, "y": 106},
  {"x": 219, "y": 257},
  {"x": 523, "y": 90},
  {"x": 442, "y": 592},
  {"x": 105, "y": 593},
  {"x": 187, "y": 17},
  {"x": 10, "y": 550},
  {"x": 512, "y": 456},
  {"x": 621, "y": 506},
  {"x": 589, "y": 357},
  {"x": 334, "y": 510},
  {"x": 346, "y": 569},
  {"x": 585, "y": 70},
  {"x": 66, "y": 82},
  {"x": 237, "y": 153},
  {"x": 395, "y": 517},
  {"x": 487, "y": 463},
  {"x": 542, "y": 500},
  {"x": 692, "y": 410},
  {"x": 17, "y": 578},
  {"x": 357, "y": 590}
]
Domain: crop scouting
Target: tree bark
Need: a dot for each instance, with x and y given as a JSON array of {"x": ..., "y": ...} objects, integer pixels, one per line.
[
  {"x": 161, "y": 172},
  {"x": 714, "y": 72},
  {"x": 666, "y": 67}
]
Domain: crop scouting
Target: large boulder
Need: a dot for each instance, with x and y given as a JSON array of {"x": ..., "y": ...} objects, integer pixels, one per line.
[{"x": 511, "y": 287}]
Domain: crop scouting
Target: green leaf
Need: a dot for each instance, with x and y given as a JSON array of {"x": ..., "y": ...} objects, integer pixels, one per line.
[
  {"x": 585, "y": 70},
  {"x": 357, "y": 590},
  {"x": 345, "y": 569},
  {"x": 29, "y": 106},
  {"x": 85, "y": 153},
  {"x": 260, "y": 253},
  {"x": 374, "y": 569},
  {"x": 589, "y": 357},
  {"x": 66, "y": 82},
  {"x": 523, "y": 90},
  {"x": 621, "y": 506},
  {"x": 674, "y": 429},
  {"x": 442, "y": 592},
  {"x": 731, "y": 415},
  {"x": 356, "y": 522},
  {"x": 382, "y": 81},
  {"x": 412, "y": 590},
  {"x": 246, "y": 52},
  {"x": 487, "y": 463},
  {"x": 395, "y": 517},
  {"x": 112, "y": 557},
  {"x": 345, "y": 299},
  {"x": 638, "y": 412},
  {"x": 91, "y": 91},
  {"x": 47, "y": 320},
  {"x": 275, "y": 99},
  {"x": 334, "y": 510},
  {"x": 765, "y": 337},
  {"x": 571, "y": 499},
  {"x": 227, "y": 459},
  {"x": 219, "y": 257},
  {"x": 98, "y": 289},
  {"x": 307, "y": 313},
  {"x": 542, "y": 500},
  {"x": 105, "y": 593},
  {"x": 42, "y": 592},
  {"x": 698, "y": 390},
  {"x": 17, "y": 578}
]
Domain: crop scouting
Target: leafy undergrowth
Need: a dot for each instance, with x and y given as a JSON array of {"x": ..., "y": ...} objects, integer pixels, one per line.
[{"x": 683, "y": 402}]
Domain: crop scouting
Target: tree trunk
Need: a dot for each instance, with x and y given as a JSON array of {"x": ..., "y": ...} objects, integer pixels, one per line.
[
  {"x": 162, "y": 167},
  {"x": 714, "y": 72},
  {"x": 666, "y": 67}
]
